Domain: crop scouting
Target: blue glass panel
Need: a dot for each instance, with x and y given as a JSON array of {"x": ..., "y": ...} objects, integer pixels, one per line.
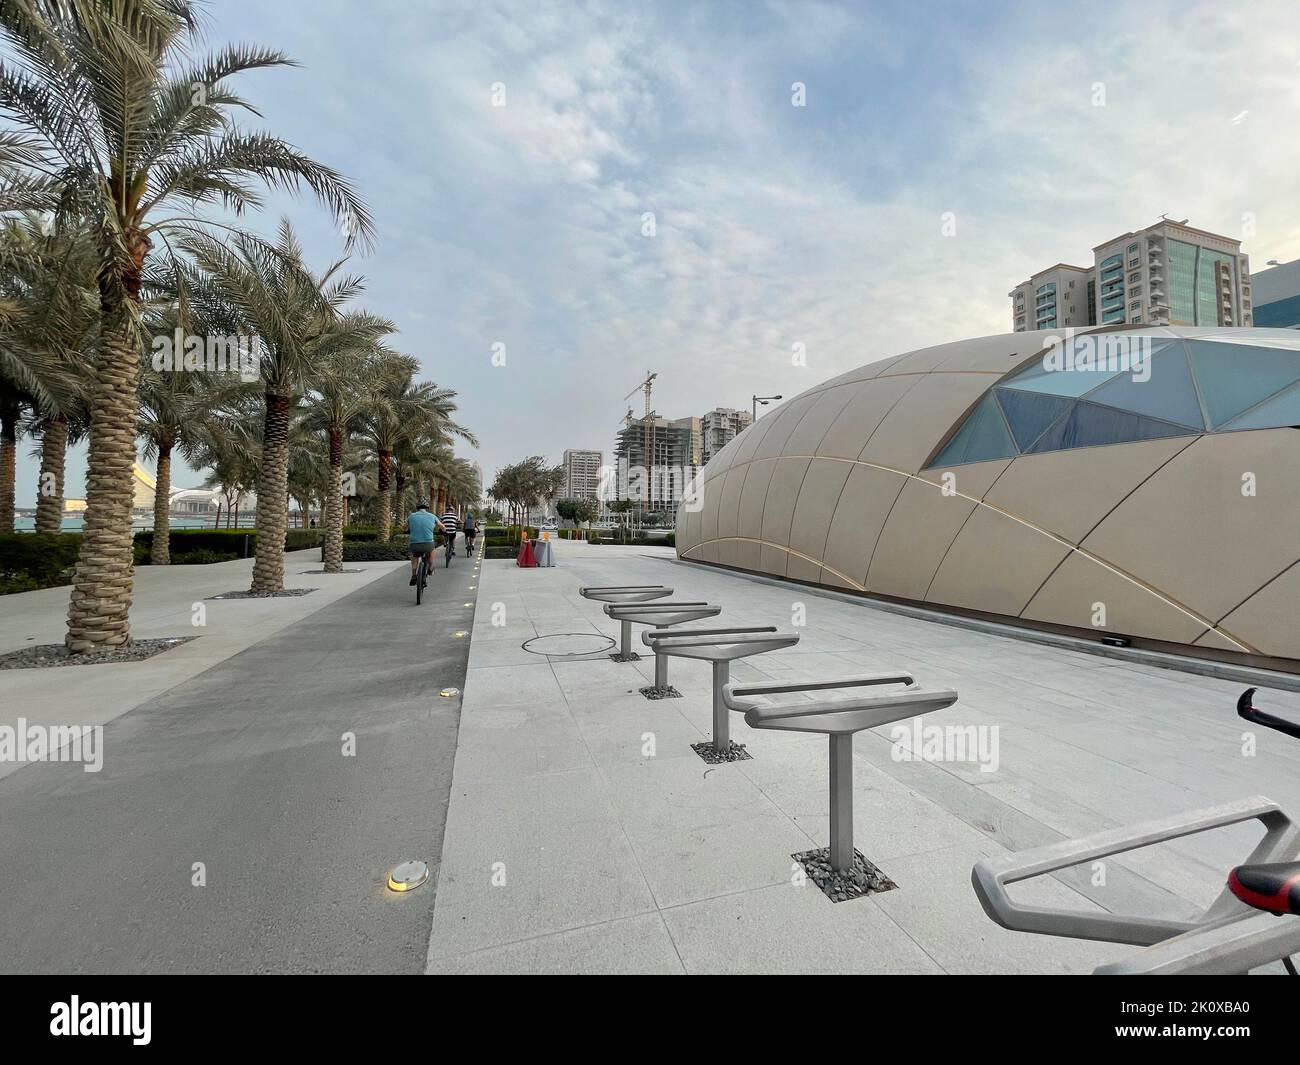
[
  {"x": 1167, "y": 391},
  {"x": 1282, "y": 410},
  {"x": 1058, "y": 381},
  {"x": 1029, "y": 413},
  {"x": 983, "y": 436},
  {"x": 1236, "y": 376},
  {"x": 1089, "y": 425}
]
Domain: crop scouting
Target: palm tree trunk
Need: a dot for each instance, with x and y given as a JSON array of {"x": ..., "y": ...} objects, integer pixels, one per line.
[
  {"x": 272, "y": 498},
  {"x": 334, "y": 504},
  {"x": 8, "y": 459},
  {"x": 384, "y": 519},
  {"x": 98, "y": 614},
  {"x": 160, "y": 553},
  {"x": 54, "y": 454}
]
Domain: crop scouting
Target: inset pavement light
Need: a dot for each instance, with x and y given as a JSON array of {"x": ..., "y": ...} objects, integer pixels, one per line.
[{"x": 44, "y": 655}]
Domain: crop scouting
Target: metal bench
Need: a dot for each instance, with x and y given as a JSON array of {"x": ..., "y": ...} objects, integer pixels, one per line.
[
  {"x": 1228, "y": 937},
  {"x": 660, "y": 615},
  {"x": 839, "y": 719},
  {"x": 625, "y": 593},
  {"x": 721, "y": 647}
]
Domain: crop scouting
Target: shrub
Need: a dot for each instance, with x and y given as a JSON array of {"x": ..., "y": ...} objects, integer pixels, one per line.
[
  {"x": 203, "y": 557},
  {"x": 359, "y": 533},
  {"x": 395, "y": 550},
  {"x": 37, "y": 560},
  {"x": 508, "y": 551}
]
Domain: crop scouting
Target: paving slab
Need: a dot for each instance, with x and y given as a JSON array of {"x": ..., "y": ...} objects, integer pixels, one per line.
[{"x": 549, "y": 761}]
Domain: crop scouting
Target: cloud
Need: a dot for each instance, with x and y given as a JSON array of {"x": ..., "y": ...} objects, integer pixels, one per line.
[{"x": 774, "y": 224}]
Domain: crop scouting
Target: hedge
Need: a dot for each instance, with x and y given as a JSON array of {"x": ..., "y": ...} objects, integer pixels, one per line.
[
  {"x": 509, "y": 551},
  {"x": 395, "y": 550},
  {"x": 37, "y": 560},
  {"x": 642, "y": 541},
  {"x": 218, "y": 545}
]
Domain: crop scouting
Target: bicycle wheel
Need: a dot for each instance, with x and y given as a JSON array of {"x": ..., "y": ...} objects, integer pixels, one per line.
[
  {"x": 421, "y": 571},
  {"x": 447, "y": 552}
]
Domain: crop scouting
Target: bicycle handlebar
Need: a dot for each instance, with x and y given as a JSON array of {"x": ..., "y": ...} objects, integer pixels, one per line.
[{"x": 1259, "y": 717}]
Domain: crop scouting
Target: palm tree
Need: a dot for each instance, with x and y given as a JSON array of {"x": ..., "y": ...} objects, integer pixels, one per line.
[
  {"x": 115, "y": 125},
  {"x": 48, "y": 290},
  {"x": 297, "y": 318},
  {"x": 334, "y": 405}
]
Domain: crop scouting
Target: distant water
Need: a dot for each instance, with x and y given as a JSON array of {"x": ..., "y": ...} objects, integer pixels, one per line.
[{"x": 72, "y": 523}]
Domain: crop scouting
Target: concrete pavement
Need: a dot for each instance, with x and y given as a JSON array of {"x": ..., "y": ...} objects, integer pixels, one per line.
[
  {"x": 584, "y": 834},
  {"x": 231, "y": 829}
]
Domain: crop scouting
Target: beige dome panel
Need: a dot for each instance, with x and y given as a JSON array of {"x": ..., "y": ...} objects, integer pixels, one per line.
[
  {"x": 919, "y": 420},
  {"x": 753, "y": 496},
  {"x": 1069, "y": 492},
  {"x": 778, "y": 511},
  {"x": 826, "y": 407},
  {"x": 728, "y": 502},
  {"x": 1267, "y": 619},
  {"x": 996, "y": 564},
  {"x": 862, "y": 415},
  {"x": 818, "y": 497},
  {"x": 1070, "y": 595},
  {"x": 921, "y": 526},
  {"x": 784, "y": 423},
  {"x": 864, "y": 504},
  {"x": 1226, "y": 544},
  {"x": 799, "y": 568}
]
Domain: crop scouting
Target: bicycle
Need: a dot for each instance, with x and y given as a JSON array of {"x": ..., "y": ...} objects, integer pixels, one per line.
[
  {"x": 449, "y": 541},
  {"x": 421, "y": 578}
]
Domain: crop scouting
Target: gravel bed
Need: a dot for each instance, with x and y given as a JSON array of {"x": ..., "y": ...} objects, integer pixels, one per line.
[
  {"x": 302, "y": 571},
  {"x": 714, "y": 757},
  {"x": 660, "y": 693},
  {"x": 43, "y": 655},
  {"x": 245, "y": 594},
  {"x": 863, "y": 879}
]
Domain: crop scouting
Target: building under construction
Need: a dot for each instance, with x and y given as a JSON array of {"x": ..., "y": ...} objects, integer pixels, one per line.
[{"x": 656, "y": 460}]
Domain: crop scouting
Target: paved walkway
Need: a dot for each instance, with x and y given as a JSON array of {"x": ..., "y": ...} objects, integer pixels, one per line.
[
  {"x": 569, "y": 847},
  {"x": 165, "y": 602},
  {"x": 242, "y": 768}
]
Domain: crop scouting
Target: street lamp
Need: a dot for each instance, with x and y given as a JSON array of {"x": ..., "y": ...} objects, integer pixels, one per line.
[{"x": 756, "y": 401}]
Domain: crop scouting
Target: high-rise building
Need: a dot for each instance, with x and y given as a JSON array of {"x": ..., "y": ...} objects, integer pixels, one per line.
[
  {"x": 1166, "y": 274},
  {"x": 656, "y": 460},
  {"x": 719, "y": 427},
  {"x": 582, "y": 474},
  {"x": 1277, "y": 296},
  {"x": 1059, "y": 297},
  {"x": 692, "y": 426}
]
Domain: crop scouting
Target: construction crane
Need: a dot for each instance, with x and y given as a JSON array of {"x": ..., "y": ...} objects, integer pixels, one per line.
[{"x": 647, "y": 440}]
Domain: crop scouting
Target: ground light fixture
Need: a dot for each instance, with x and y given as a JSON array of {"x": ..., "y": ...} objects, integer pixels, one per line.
[
  {"x": 460, "y": 635},
  {"x": 449, "y": 693},
  {"x": 408, "y": 876}
]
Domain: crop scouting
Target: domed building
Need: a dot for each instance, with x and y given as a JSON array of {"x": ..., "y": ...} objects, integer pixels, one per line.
[{"x": 1142, "y": 483}]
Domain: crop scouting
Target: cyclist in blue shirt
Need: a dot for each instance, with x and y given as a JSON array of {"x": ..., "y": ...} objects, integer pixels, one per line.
[{"x": 422, "y": 526}]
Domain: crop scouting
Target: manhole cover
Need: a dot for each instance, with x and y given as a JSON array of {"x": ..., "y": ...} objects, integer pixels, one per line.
[{"x": 569, "y": 644}]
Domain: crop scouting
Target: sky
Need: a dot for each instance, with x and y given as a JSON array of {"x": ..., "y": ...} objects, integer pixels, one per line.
[{"x": 608, "y": 188}]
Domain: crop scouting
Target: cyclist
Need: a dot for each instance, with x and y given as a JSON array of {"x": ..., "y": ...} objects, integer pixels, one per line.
[
  {"x": 422, "y": 527},
  {"x": 449, "y": 523},
  {"x": 471, "y": 530}
]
